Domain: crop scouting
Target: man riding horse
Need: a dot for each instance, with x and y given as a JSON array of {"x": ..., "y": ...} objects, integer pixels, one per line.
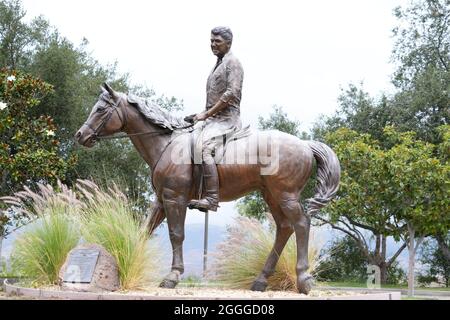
[
  {"x": 222, "y": 114},
  {"x": 151, "y": 129}
]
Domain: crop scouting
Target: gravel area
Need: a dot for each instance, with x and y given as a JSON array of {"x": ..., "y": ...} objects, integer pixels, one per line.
[
  {"x": 233, "y": 294},
  {"x": 221, "y": 293},
  {"x": 194, "y": 293}
]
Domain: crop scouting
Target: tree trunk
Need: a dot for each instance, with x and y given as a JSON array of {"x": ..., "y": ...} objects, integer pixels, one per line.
[
  {"x": 411, "y": 249},
  {"x": 413, "y": 246},
  {"x": 383, "y": 263},
  {"x": 1, "y": 259},
  {"x": 443, "y": 247},
  {"x": 383, "y": 272}
]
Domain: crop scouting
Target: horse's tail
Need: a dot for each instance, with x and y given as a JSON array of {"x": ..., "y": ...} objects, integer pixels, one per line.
[{"x": 328, "y": 176}]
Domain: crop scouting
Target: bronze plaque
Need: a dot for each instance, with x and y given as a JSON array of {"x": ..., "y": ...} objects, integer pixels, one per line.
[{"x": 81, "y": 266}]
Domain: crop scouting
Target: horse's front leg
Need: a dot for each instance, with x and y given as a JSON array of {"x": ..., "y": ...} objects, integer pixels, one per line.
[{"x": 175, "y": 208}]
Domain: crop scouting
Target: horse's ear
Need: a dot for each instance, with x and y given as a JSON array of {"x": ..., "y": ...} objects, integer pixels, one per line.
[{"x": 111, "y": 91}]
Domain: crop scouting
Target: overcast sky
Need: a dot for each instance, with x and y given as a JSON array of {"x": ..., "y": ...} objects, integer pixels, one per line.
[{"x": 296, "y": 54}]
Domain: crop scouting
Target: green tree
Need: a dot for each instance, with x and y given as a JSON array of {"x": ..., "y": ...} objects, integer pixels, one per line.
[
  {"x": 423, "y": 182},
  {"x": 17, "y": 38},
  {"x": 76, "y": 77},
  {"x": 343, "y": 261},
  {"x": 401, "y": 192},
  {"x": 357, "y": 111},
  {"x": 422, "y": 53},
  {"x": 253, "y": 204},
  {"x": 437, "y": 265},
  {"x": 28, "y": 144}
]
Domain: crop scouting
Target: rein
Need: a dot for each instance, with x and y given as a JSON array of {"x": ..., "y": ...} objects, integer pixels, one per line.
[
  {"x": 133, "y": 135},
  {"x": 114, "y": 107}
]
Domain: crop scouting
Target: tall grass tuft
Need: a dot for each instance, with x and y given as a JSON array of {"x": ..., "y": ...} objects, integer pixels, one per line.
[
  {"x": 241, "y": 256},
  {"x": 108, "y": 220},
  {"x": 100, "y": 216},
  {"x": 40, "y": 252}
]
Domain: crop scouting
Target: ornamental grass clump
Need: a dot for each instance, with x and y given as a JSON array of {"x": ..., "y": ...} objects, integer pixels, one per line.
[
  {"x": 240, "y": 258},
  {"x": 107, "y": 219},
  {"x": 59, "y": 219},
  {"x": 41, "y": 250}
]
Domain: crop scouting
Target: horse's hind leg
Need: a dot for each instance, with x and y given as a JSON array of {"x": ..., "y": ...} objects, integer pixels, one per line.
[
  {"x": 290, "y": 205},
  {"x": 283, "y": 233}
]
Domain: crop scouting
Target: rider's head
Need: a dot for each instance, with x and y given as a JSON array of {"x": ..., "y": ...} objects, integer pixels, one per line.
[{"x": 221, "y": 40}]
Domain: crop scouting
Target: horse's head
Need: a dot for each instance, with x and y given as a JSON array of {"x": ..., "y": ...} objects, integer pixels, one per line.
[{"x": 106, "y": 118}]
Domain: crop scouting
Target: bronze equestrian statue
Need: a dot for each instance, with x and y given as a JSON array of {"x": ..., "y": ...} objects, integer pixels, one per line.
[{"x": 275, "y": 163}]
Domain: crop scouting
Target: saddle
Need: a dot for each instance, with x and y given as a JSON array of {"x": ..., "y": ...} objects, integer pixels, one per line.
[{"x": 218, "y": 155}]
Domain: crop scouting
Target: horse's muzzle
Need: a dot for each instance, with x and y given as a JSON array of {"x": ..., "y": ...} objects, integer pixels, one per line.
[{"x": 84, "y": 139}]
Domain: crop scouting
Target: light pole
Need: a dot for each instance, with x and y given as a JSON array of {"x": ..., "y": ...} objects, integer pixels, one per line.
[{"x": 205, "y": 245}]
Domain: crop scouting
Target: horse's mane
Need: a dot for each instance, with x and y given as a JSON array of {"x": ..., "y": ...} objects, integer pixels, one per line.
[{"x": 154, "y": 114}]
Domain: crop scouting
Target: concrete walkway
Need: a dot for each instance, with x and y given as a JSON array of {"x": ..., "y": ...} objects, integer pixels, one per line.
[{"x": 426, "y": 294}]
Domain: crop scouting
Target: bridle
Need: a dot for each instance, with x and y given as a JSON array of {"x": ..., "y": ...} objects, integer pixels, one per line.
[{"x": 114, "y": 106}]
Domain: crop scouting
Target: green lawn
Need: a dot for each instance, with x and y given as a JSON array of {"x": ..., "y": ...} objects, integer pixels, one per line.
[{"x": 364, "y": 285}]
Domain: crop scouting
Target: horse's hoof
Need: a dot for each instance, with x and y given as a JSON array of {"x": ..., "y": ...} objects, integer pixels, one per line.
[
  {"x": 305, "y": 283},
  {"x": 171, "y": 280},
  {"x": 168, "y": 284},
  {"x": 259, "y": 286}
]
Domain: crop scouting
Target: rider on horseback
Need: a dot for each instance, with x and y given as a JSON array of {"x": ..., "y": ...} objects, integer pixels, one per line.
[{"x": 222, "y": 114}]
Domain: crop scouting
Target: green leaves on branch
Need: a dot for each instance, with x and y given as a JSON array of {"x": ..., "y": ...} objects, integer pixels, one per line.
[
  {"x": 28, "y": 145},
  {"x": 385, "y": 188}
]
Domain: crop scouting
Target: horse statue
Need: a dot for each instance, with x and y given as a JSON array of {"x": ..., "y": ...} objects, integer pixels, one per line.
[{"x": 159, "y": 137}]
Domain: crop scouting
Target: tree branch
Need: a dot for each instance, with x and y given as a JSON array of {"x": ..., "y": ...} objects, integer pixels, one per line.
[
  {"x": 363, "y": 226},
  {"x": 395, "y": 256},
  {"x": 361, "y": 244}
]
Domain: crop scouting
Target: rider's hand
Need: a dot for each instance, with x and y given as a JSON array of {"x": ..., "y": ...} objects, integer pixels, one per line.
[
  {"x": 201, "y": 117},
  {"x": 190, "y": 119}
]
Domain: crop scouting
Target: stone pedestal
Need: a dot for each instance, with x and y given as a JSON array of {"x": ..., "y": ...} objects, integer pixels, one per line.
[{"x": 89, "y": 268}]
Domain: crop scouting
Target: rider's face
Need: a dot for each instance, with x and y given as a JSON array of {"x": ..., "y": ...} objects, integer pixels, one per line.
[{"x": 219, "y": 45}]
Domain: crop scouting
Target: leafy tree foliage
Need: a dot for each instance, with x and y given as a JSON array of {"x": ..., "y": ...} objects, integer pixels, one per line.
[
  {"x": 28, "y": 144},
  {"x": 385, "y": 192},
  {"x": 343, "y": 261},
  {"x": 18, "y": 39},
  {"x": 422, "y": 52},
  {"x": 357, "y": 111},
  {"x": 421, "y": 55},
  {"x": 435, "y": 261},
  {"x": 76, "y": 77}
]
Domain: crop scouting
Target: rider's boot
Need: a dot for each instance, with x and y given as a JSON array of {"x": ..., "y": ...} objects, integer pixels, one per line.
[{"x": 211, "y": 199}]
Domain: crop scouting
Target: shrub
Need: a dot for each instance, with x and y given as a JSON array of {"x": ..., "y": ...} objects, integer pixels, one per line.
[
  {"x": 241, "y": 257},
  {"x": 101, "y": 216},
  {"x": 108, "y": 220},
  {"x": 40, "y": 252}
]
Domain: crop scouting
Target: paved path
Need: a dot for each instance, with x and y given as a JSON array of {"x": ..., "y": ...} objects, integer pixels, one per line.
[{"x": 425, "y": 294}]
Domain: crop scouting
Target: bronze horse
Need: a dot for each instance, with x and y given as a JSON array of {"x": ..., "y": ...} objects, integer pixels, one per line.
[{"x": 152, "y": 133}]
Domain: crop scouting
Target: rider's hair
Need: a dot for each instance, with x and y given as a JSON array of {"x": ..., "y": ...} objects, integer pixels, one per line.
[{"x": 224, "y": 32}]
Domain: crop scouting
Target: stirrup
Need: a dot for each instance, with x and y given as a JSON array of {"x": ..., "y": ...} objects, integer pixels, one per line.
[{"x": 202, "y": 205}]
